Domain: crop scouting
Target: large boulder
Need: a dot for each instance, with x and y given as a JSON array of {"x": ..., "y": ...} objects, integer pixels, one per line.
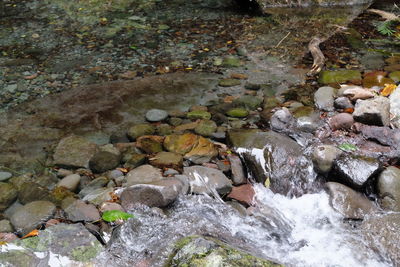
[
  {"x": 273, "y": 156},
  {"x": 349, "y": 203}
]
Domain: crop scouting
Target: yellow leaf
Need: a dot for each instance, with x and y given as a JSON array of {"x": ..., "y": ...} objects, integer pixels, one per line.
[{"x": 389, "y": 88}]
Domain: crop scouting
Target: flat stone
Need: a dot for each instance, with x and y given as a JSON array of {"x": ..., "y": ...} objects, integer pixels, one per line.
[
  {"x": 356, "y": 92},
  {"x": 97, "y": 183},
  {"x": 180, "y": 144},
  {"x": 4, "y": 176},
  {"x": 237, "y": 113},
  {"x": 99, "y": 195},
  {"x": 150, "y": 144},
  {"x": 140, "y": 130},
  {"x": 343, "y": 103},
  {"x": 156, "y": 194},
  {"x": 203, "y": 179},
  {"x": 32, "y": 215},
  {"x": 206, "y": 128},
  {"x": 373, "y": 112},
  {"x": 249, "y": 102},
  {"x": 167, "y": 160},
  {"x": 74, "y": 152},
  {"x": 349, "y": 203},
  {"x": 203, "y": 151},
  {"x": 338, "y": 76},
  {"x": 389, "y": 188},
  {"x": 198, "y": 114},
  {"x": 80, "y": 211},
  {"x": 143, "y": 174},
  {"x": 229, "y": 82},
  {"x": 154, "y": 115}
]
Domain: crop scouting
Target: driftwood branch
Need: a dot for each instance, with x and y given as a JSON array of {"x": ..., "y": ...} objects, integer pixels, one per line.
[
  {"x": 386, "y": 15},
  {"x": 318, "y": 56}
]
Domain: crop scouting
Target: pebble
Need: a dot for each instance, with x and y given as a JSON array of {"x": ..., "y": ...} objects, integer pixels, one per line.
[
  {"x": 154, "y": 115},
  {"x": 4, "y": 176}
]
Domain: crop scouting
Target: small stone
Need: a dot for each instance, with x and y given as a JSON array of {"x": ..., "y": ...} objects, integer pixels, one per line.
[
  {"x": 244, "y": 194},
  {"x": 140, "y": 130},
  {"x": 135, "y": 160},
  {"x": 4, "y": 176},
  {"x": 203, "y": 151},
  {"x": 341, "y": 121},
  {"x": 229, "y": 82},
  {"x": 343, "y": 103},
  {"x": 239, "y": 76},
  {"x": 238, "y": 176},
  {"x": 198, "y": 114},
  {"x": 180, "y": 144},
  {"x": 97, "y": 183},
  {"x": 156, "y": 194},
  {"x": 186, "y": 127},
  {"x": 324, "y": 98},
  {"x": 231, "y": 62},
  {"x": 373, "y": 112},
  {"x": 248, "y": 101},
  {"x": 237, "y": 113},
  {"x": 167, "y": 160},
  {"x": 164, "y": 129},
  {"x": 99, "y": 195},
  {"x": 324, "y": 156},
  {"x": 74, "y": 151},
  {"x": 154, "y": 115},
  {"x": 356, "y": 92},
  {"x": 206, "y": 128},
  {"x": 32, "y": 215},
  {"x": 70, "y": 182},
  {"x": 252, "y": 86},
  {"x": 150, "y": 144},
  {"x": 143, "y": 174},
  {"x": 103, "y": 161},
  {"x": 175, "y": 121},
  {"x": 80, "y": 211},
  {"x": 281, "y": 120},
  {"x": 197, "y": 107}
]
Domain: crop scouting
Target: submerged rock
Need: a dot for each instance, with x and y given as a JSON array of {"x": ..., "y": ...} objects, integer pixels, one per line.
[
  {"x": 206, "y": 251},
  {"x": 338, "y": 76},
  {"x": 140, "y": 129},
  {"x": 103, "y": 161},
  {"x": 324, "y": 156},
  {"x": 349, "y": 203},
  {"x": 167, "y": 160},
  {"x": 8, "y": 193},
  {"x": 203, "y": 151},
  {"x": 143, "y": 174},
  {"x": 74, "y": 151},
  {"x": 154, "y": 115}
]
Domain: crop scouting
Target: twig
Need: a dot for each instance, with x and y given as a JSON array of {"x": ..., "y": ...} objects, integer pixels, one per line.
[
  {"x": 386, "y": 15},
  {"x": 286, "y": 36},
  {"x": 318, "y": 56}
]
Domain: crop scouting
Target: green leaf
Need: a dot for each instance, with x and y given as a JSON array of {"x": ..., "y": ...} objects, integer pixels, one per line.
[
  {"x": 348, "y": 147},
  {"x": 113, "y": 215},
  {"x": 385, "y": 28}
]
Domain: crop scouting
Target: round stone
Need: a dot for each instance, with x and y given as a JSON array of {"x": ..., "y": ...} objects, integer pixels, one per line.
[
  {"x": 4, "y": 176},
  {"x": 155, "y": 115}
]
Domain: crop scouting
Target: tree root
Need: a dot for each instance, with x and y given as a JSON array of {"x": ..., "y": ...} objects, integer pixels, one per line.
[
  {"x": 318, "y": 56},
  {"x": 386, "y": 15}
]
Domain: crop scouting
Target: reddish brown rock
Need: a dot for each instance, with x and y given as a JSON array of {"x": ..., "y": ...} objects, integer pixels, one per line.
[
  {"x": 341, "y": 121},
  {"x": 244, "y": 194}
]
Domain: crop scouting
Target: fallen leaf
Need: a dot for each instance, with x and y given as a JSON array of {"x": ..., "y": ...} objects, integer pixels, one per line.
[
  {"x": 113, "y": 215},
  {"x": 347, "y": 147},
  {"x": 31, "y": 234},
  {"x": 389, "y": 88}
]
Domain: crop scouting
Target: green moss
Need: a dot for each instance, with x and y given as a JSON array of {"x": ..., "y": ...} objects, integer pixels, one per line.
[
  {"x": 198, "y": 114},
  {"x": 237, "y": 113},
  {"x": 340, "y": 76},
  {"x": 34, "y": 243},
  {"x": 85, "y": 253}
]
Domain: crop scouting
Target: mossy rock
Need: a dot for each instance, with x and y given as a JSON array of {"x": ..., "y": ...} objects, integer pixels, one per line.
[
  {"x": 237, "y": 113},
  {"x": 248, "y": 101},
  {"x": 339, "y": 76},
  {"x": 231, "y": 62},
  {"x": 206, "y": 128},
  {"x": 395, "y": 76},
  {"x": 198, "y": 251},
  {"x": 198, "y": 114},
  {"x": 140, "y": 130},
  {"x": 229, "y": 82}
]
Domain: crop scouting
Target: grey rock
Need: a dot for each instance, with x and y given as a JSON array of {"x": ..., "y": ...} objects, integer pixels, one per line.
[
  {"x": 324, "y": 156},
  {"x": 324, "y": 98},
  {"x": 349, "y": 203},
  {"x": 185, "y": 183},
  {"x": 282, "y": 120},
  {"x": 114, "y": 174},
  {"x": 206, "y": 128},
  {"x": 167, "y": 160},
  {"x": 6, "y": 226},
  {"x": 270, "y": 155},
  {"x": 143, "y": 174},
  {"x": 372, "y": 61},
  {"x": 207, "y": 180},
  {"x": 307, "y": 124},
  {"x": 155, "y": 194},
  {"x": 154, "y": 115},
  {"x": 341, "y": 121},
  {"x": 343, "y": 102},
  {"x": 4, "y": 176},
  {"x": 30, "y": 216},
  {"x": 71, "y": 182},
  {"x": 12, "y": 209},
  {"x": 383, "y": 135},
  {"x": 374, "y": 111},
  {"x": 389, "y": 188},
  {"x": 238, "y": 176},
  {"x": 74, "y": 151},
  {"x": 355, "y": 170},
  {"x": 97, "y": 183},
  {"x": 99, "y": 195},
  {"x": 8, "y": 193},
  {"x": 103, "y": 161},
  {"x": 381, "y": 234},
  {"x": 80, "y": 211}
]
